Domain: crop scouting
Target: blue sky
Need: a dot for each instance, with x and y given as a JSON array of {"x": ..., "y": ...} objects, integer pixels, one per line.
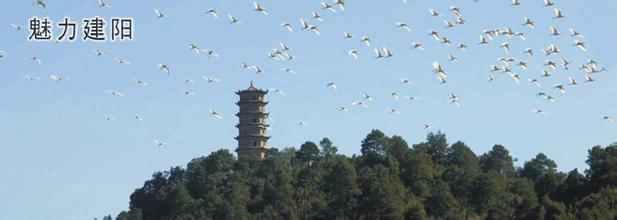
[{"x": 61, "y": 159}]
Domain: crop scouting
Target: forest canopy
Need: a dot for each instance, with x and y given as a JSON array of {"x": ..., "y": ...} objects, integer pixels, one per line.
[{"x": 389, "y": 180}]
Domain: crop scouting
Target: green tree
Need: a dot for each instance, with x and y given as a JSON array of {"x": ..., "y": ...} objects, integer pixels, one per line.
[
  {"x": 538, "y": 167},
  {"x": 383, "y": 196},
  {"x": 327, "y": 148},
  {"x": 308, "y": 153},
  {"x": 497, "y": 160},
  {"x": 341, "y": 189}
]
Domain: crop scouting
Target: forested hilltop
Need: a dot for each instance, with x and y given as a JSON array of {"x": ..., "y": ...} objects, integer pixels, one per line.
[{"x": 389, "y": 180}]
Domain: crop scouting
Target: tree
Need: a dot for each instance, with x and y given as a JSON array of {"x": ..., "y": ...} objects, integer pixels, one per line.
[
  {"x": 437, "y": 147},
  {"x": 602, "y": 170},
  {"x": 537, "y": 167},
  {"x": 600, "y": 205},
  {"x": 461, "y": 170},
  {"x": 327, "y": 148},
  {"x": 308, "y": 153},
  {"x": 383, "y": 196},
  {"x": 341, "y": 189},
  {"x": 497, "y": 160}
]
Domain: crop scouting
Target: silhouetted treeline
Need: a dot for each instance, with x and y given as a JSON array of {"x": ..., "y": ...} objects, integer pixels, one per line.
[{"x": 390, "y": 180}]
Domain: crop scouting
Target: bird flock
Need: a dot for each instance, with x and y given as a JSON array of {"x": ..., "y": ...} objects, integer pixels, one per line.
[{"x": 513, "y": 64}]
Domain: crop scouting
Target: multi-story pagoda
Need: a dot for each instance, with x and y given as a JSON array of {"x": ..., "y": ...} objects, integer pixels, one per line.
[{"x": 252, "y": 137}]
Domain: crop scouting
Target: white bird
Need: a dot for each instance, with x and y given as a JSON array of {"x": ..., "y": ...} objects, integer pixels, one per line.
[
  {"x": 608, "y": 118},
  {"x": 529, "y": 52},
  {"x": 483, "y": 40},
  {"x": 360, "y": 104},
  {"x": 561, "y": 88},
  {"x": 433, "y": 13},
  {"x": 58, "y": 78},
  {"x": 539, "y": 111},
  {"x": 545, "y": 73},
  {"x": 138, "y": 118},
  {"x": 158, "y": 143},
  {"x": 288, "y": 26},
  {"x": 259, "y": 8},
  {"x": 393, "y": 111},
  {"x": 164, "y": 68},
  {"x": 548, "y": 3},
  {"x": 159, "y": 14},
  {"x": 108, "y": 118},
  {"x": 188, "y": 93},
  {"x": 121, "y": 61},
  {"x": 580, "y": 45},
  {"x": 366, "y": 40},
  {"x": 454, "y": 99},
  {"x": 387, "y": 52},
  {"x": 378, "y": 54},
  {"x": 589, "y": 79},
  {"x": 506, "y": 47},
  {"x": 403, "y": 26},
  {"x": 98, "y": 52},
  {"x": 288, "y": 70},
  {"x": 195, "y": 48},
  {"x": 574, "y": 33},
  {"x": 213, "y": 12},
  {"x": 462, "y": 47},
  {"x": 340, "y": 3},
  {"x": 516, "y": 77},
  {"x": 347, "y": 35},
  {"x": 558, "y": 13},
  {"x": 515, "y": 3},
  {"x": 572, "y": 81},
  {"x": 328, "y": 7},
  {"x": 354, "y": 54},
  {"x": 416, "y": 45},
  {"x": 448, "y": 24},
  {"x": 490, "y": 78},
  {"x": 3, "y": 54},
  {"x": 332, "y": 85},
  {"x": 427, "y": 126},
  {"x": 232, "y": 19},
  {"x": 141, "y": 82},
  {"x": 212, "y": 53},
  {"x": 411, "y": 98},
  {"x": 41, "y": 4},
  {"x": 103, "y": 4},
  {"x": 36, "y": 60},
  {"x": 17, "y": 27},
  {"x": 210, "y": 79},
  {"x": 342, "y": 109},
  {"x": 452, "y": 58},
  {"x": 215, "y": 114},
  {"x": 368, "y": 97},
  {"x": 277, "y": 91},
  {"x": 554, "y": 31},
  {"x": 316, "y": 15},
  {"x": 32, "y": 78},
  {"x": 115, "y": 93},
  {"x": 188, "y": 81},
  {"x": 406, "y": 82},
  {"x": 565, "y": 63},
  {"x": 395, "y": 96},
  {"x": 529, "y": 22},
  {"x": 535, "y": 82}
]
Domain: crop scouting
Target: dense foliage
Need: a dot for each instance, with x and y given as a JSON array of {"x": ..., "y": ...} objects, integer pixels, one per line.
[{"x": 390, "y": 180}]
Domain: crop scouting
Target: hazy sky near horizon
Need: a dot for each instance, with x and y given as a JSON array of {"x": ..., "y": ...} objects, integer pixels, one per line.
[{"x": 60, "y": 158}]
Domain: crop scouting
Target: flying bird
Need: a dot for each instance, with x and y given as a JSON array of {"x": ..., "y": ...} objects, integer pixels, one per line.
[
  {"x": 558, "y": 13},
  {"x": 215, "y": 114},
  {"x": 115, "y": 93},
  {"x": 259, "y": 8},
  {"x": 159, "y": 14},
  {"x": 103, "y": 4},
  {"x": 164, "y": 68},
  {"x": 213, "y": 12}
]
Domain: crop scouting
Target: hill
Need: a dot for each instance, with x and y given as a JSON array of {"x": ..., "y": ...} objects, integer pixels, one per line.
[{"x": 390, "y": 180}]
